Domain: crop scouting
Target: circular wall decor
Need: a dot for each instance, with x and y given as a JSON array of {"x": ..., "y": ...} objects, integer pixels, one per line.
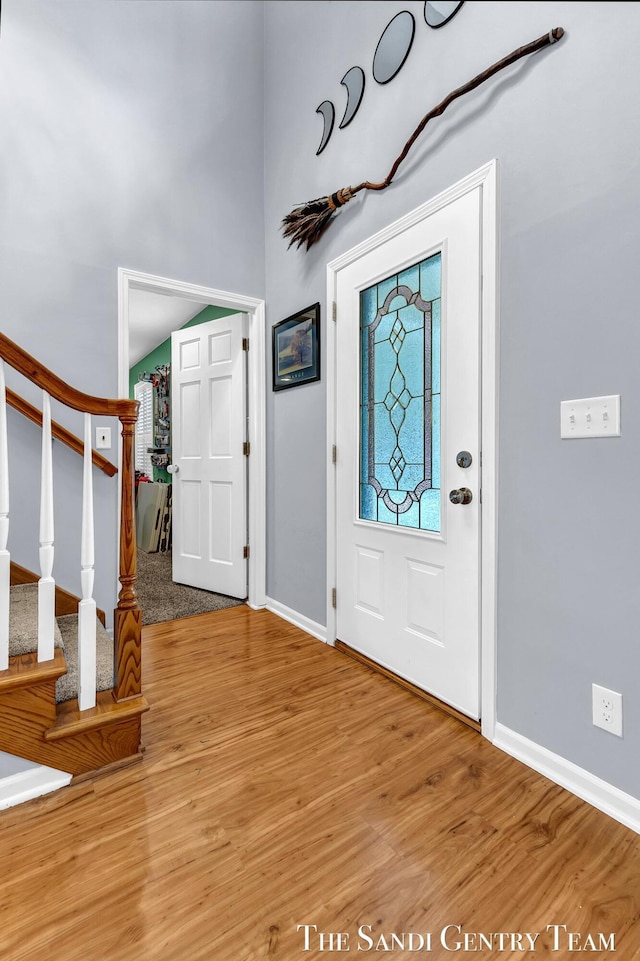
[{"x": 439, "y": 12}]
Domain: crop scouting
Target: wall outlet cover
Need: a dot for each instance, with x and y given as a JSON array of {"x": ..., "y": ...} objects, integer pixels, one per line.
[{"x": 607, "y": 709}]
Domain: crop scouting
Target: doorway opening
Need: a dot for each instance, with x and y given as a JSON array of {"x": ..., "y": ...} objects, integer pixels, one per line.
[{"x": 130, "y": 282}]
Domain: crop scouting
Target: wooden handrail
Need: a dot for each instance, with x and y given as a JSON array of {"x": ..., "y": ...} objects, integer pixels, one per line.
[
  {"x": 38, "y": 374},
  {"x": 59, "y": 432}
]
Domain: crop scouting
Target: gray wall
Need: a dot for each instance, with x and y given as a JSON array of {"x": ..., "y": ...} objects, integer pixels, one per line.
[
  {"x": 131, "y": 136},
  {"x": 565, "y": 128}
]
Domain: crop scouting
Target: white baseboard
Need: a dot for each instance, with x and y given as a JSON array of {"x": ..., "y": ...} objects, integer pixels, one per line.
[
  {"x": 300, "y": 620},
  {"x": 29, "y": 784},
  {"x": 602, "y": 795}
]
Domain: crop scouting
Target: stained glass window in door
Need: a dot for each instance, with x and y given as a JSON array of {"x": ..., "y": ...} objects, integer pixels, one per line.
[{"x": 400, "y": 398}]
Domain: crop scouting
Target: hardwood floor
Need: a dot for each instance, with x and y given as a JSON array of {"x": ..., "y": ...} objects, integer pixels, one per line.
[{"x": 285, "y": 784}]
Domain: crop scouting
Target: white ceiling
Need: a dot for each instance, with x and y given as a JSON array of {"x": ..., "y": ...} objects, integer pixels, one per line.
[{"x": 153, "y": 317}]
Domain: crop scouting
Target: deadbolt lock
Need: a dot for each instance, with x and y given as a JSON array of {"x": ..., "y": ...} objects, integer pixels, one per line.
[{"x": 464, "y": 459}]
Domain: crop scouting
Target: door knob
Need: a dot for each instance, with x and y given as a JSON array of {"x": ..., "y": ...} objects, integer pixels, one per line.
[
  {"x": 461, "y": 496},
  {"x": 173, "y": 469}
]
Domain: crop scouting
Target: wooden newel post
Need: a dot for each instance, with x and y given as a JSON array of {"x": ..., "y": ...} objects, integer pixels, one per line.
[{"x": 127, "y": 615}]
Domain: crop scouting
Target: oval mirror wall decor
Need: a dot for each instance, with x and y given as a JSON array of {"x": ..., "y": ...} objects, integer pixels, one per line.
[
  {"x": 439, "y": 12},
  {"x": 393, "y": 47}
]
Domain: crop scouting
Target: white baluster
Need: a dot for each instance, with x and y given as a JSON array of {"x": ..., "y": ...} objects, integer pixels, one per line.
[
  {"x": 46, "y": 584},
  {"x": 4, "y": 528},
  {"x": 87, "y": 606}
]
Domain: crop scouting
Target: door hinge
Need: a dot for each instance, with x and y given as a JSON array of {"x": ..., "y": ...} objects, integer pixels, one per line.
[
  {"x": 334, "y": 454},
  {"x": 245, "y": 552},
  {"x": 333, "y": 597},
  {"x": 334, "y": 312},
  {"x": 246, "y": 448},
  {"x": 245, "y": 343}
]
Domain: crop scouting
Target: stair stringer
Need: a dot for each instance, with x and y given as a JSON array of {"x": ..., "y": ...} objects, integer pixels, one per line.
[{"x": 62, "y": 737}]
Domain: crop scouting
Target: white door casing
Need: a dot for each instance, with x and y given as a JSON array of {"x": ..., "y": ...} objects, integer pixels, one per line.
[
  {"x": 254, "y": 308},
  {"x": 208, "y": 408},
  {"x": 415, "y": 602}
]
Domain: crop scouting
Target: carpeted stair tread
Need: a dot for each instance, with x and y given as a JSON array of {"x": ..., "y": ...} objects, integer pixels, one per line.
[
  {"x": 67, "y": 685},
  {"x": 23, "y": 620}
]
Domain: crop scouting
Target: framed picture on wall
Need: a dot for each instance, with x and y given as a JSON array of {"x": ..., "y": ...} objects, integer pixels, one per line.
[{"x": 296, "y": 349}]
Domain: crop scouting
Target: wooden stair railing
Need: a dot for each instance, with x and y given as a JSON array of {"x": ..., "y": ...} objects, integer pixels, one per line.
[{"x": 127, "y": 615}]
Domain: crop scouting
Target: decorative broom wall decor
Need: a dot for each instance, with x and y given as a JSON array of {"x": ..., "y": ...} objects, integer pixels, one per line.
[{"x": 306, "y": 223}]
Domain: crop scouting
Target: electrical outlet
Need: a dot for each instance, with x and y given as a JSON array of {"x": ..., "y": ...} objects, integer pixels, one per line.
[{"x": 607, "y": 709}]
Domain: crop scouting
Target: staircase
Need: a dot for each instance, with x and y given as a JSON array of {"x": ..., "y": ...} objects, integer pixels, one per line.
[{"x": 70, "y": 695}]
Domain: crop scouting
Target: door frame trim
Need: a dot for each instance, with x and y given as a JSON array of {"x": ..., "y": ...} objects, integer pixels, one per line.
[
  {"x": 486, "y": 178},
  {"x": 256, "y": 393}
]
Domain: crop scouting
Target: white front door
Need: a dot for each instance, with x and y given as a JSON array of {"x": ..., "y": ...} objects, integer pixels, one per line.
[
  {"x": 408, "y": 349},
  {"x": 209, "y": 426}
]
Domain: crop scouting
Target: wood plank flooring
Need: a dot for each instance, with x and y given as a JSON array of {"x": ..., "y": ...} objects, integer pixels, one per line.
[{"x": 285, "y": 784}]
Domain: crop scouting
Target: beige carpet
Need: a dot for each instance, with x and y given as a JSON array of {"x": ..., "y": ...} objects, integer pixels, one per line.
[
  {"x": 67, "y": 685},
  {"x": 23, "y": 639},
  {"x": 23, "y": 620},
  {"x": 162, "y": 600}
]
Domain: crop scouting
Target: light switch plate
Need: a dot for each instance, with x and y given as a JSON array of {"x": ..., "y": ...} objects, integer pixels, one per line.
[
  {"x": 590, "y": 417},
  {"x": 103, "y": 438}
]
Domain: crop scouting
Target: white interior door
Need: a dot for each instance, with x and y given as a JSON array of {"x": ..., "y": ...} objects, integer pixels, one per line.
[
  {"x": 208, "y": 406},
  {"x": 408, "y": 402}
]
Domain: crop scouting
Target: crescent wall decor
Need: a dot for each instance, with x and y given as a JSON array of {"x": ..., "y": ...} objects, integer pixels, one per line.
[
  {"x": 306, "y": 223},
  {"x": 353, "y": 80},
  {"x": 439, "y": 12},
  {"x": 328, "y": 112}
]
